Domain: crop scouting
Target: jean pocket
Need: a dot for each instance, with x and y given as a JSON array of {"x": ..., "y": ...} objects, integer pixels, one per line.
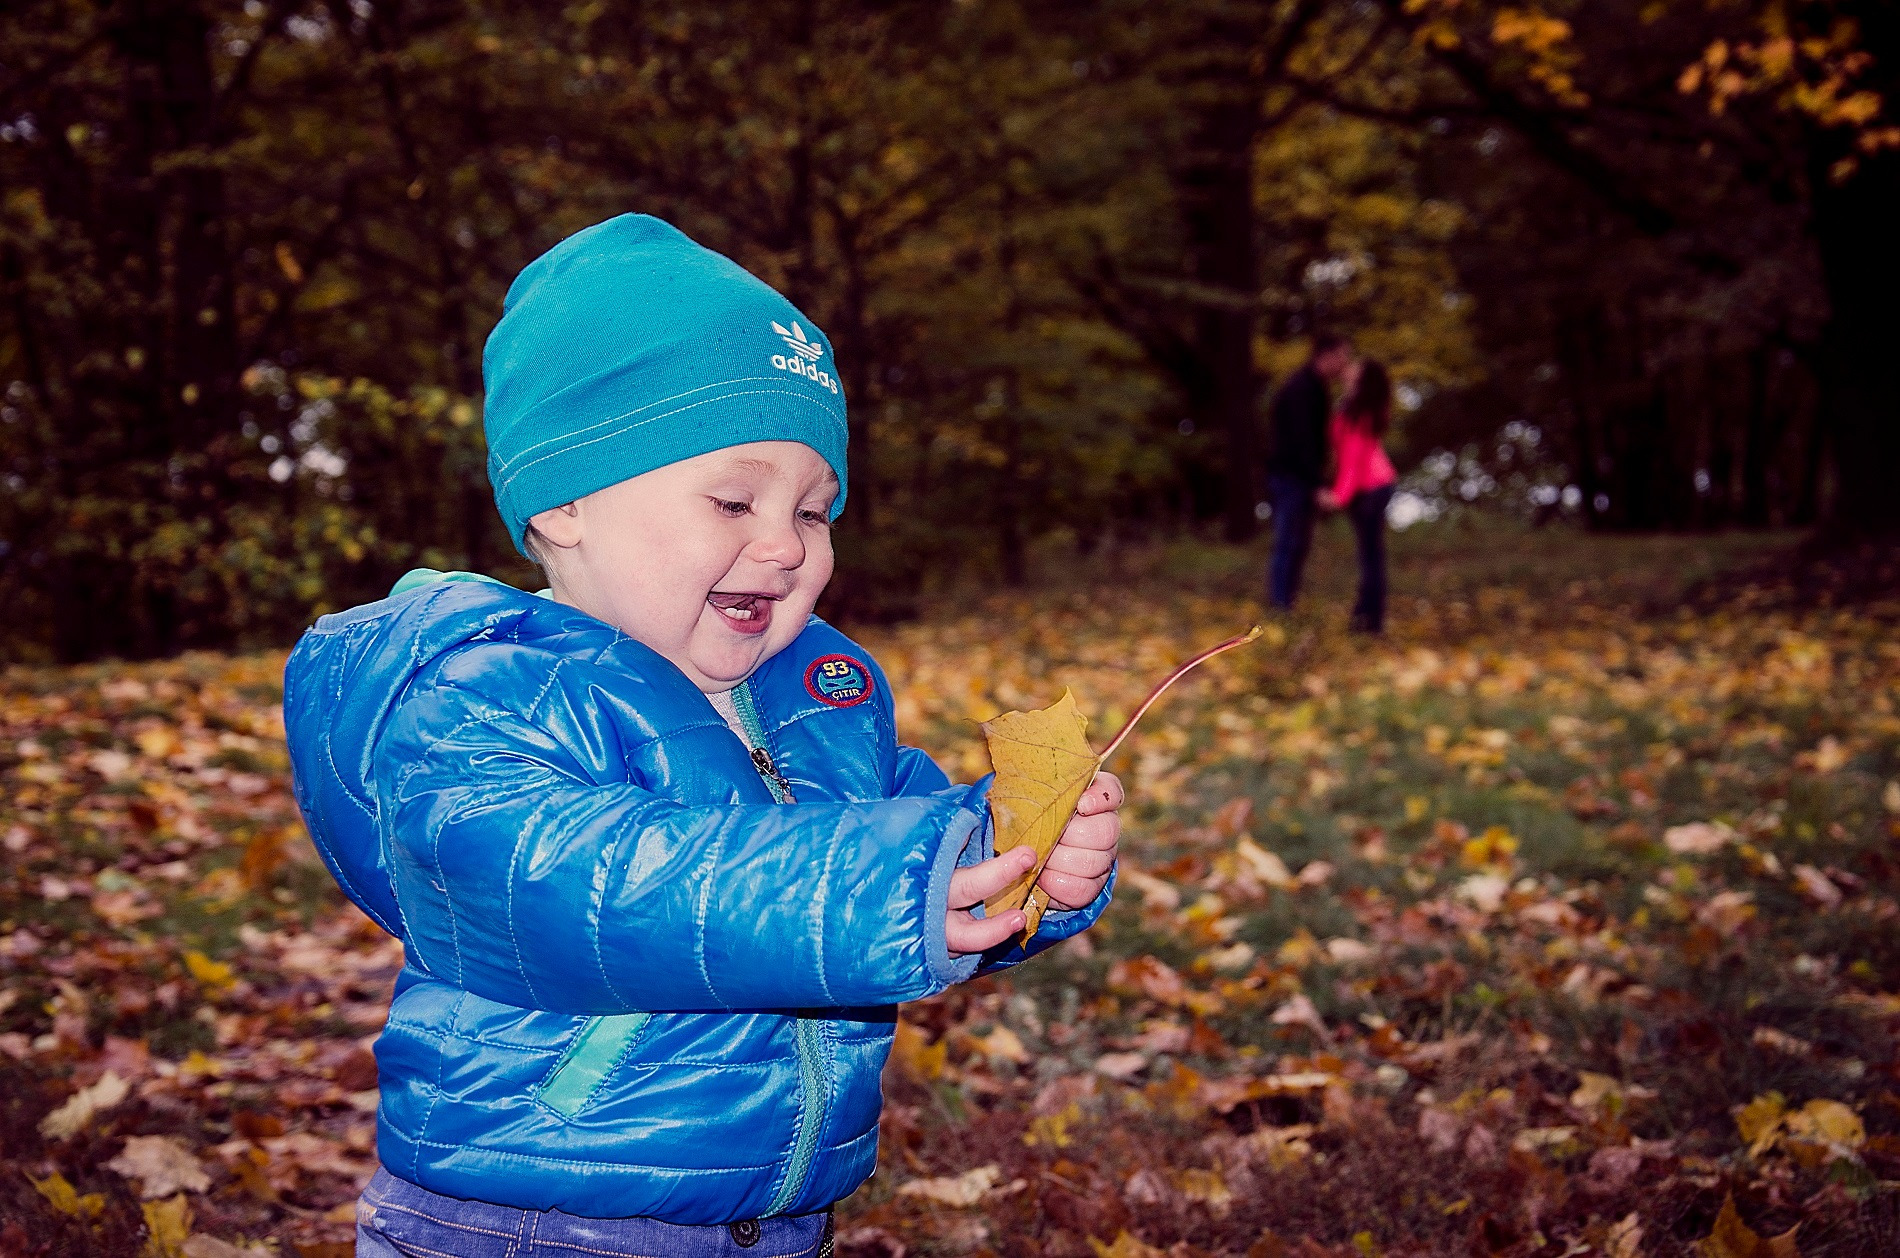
[
  {"x": 437, "y": 1228},
  {"x": 600, "y": 1045}
]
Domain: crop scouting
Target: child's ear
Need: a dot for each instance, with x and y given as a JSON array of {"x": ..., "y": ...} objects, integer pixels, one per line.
[{"x": 559, "y": 525}]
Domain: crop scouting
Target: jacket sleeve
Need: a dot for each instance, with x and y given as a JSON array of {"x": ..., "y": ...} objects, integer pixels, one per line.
[
  {"x": 916, "y": 774},
  {"x": 523, "y": 882}
]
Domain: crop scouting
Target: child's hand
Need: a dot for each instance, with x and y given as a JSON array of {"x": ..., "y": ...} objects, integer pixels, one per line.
[
  {"x": 1073, "y": 876},
  {"x": 969, "y": 887},
  {"x": 1078, "y": 868}
]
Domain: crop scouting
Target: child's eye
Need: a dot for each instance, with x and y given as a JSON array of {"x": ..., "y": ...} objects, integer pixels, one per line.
[
  {"x": 733, "y": 509},
  {"x": 821, "y": 518}
]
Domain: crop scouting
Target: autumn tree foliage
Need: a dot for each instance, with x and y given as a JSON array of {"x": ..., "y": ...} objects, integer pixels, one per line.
[{"x": 249, "y": 253}]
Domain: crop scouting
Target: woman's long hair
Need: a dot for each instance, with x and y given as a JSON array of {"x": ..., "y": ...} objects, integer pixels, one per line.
[{"x": 1370, "y": 402}]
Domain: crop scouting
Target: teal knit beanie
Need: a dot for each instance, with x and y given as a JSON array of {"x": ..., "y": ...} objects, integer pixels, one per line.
[{"x": 627, "y": 347}]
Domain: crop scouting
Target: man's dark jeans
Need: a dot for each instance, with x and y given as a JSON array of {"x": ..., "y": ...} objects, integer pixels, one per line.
[
  {"x": 1367, "y": 512},
  {"x": 1293, "y": 511}
]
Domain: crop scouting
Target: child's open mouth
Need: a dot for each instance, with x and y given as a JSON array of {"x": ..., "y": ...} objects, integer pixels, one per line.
[{"x": 745, "y": 613}]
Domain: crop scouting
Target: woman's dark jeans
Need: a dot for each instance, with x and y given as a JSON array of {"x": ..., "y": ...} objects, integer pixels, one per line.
[{"x": 1367, "y": 513}]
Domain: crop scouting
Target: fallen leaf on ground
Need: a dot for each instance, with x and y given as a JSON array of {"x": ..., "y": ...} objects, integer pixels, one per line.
[
  {"x": 915, "y": 1055},
  {"x": 162, "y": 1165},
  {"x": 66, "y": 1199},
  {"x": 955, "y": 1190},
  {"x": 1733, "y": 1238},
  {"x": 1824, "y": 1131},
  {"x": 202, "y": 1246},
  {"x": 1816, "y": 886},
  {"x": 83, "y": 1106},
  {"x": 167, "y": 1227},
  {"x": 1126, "y": 1245},
  {"x": 1698, "y": 838}
]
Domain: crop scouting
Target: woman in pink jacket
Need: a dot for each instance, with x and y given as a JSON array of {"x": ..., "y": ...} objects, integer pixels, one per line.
[{"x": 1362, "y": 487}]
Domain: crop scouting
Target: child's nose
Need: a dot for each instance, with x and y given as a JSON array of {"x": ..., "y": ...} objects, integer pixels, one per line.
[{"x": 778, "y": 543}]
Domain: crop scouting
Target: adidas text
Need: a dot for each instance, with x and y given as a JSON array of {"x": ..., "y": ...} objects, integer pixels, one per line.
[{"x": 800, "y": 367}]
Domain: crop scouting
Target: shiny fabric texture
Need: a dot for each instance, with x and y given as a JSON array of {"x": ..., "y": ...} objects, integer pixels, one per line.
[{"x": 566, "y": 835}]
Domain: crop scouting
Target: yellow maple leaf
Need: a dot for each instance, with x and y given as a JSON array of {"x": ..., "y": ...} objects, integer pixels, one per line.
[
  {"x": 1495, "y": 849},
  {"x": 215, "y": 975},
  {"x": 1733, "y": 1238},
  {"x": 167, "y": 1227},
  {"x": 1822, "y": 1132},
  {"x": 1043, "y": 763},
  {"x": 1759, "y": 1122},
  {"x": 1206, "y": 1187},
  {"x": 66, "y": 1199},
  {"x": 915, "y": 1055},
  {"x": 1126, "y": 1245},
  {"x": 1051, "y": 1131}
]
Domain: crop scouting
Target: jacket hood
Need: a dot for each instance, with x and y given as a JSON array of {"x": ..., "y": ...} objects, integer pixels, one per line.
[{"x": 346, "y": 676}]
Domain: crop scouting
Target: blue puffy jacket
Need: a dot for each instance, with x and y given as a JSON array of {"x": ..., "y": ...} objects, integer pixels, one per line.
[{"x": 636, "y": 984}]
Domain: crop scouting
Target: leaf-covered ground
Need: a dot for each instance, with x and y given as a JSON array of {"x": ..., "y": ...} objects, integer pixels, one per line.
[{"x": 1563, "y": 921}]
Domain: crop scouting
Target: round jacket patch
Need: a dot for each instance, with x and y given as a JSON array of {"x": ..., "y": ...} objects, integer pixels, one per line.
[{"x": 838, "y": 681}]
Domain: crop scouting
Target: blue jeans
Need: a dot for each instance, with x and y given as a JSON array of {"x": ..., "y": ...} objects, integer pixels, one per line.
[
  {"x": 396, "y": 1219},
  {"x": 1367, "y": 513},
  {"x": 1293, "y": 511}
]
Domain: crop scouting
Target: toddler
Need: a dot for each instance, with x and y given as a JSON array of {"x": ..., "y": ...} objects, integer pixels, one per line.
[{"x": 660, "y": 868}]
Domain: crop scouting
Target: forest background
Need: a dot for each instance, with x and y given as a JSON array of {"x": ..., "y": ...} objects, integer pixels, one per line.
[{"x": 1628, "y": 259}]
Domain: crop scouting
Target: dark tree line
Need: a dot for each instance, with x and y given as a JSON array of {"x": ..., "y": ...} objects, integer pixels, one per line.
[{"x": 249, "y": 253}]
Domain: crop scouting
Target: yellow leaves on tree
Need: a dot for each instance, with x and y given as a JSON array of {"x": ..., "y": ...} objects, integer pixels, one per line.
[{"x": 1043, "y": 764}]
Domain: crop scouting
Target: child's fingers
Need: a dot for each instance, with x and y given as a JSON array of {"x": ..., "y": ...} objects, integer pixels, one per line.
[
  {"x": 1103, "y": 795},
  {"x": 976, "y": 883},
  {"x": 1083, "y": 862},
  {"x": 964, "y": 933},
  {"x": 1101, "y": 831},
  {"x": 1066, "y": 891}
]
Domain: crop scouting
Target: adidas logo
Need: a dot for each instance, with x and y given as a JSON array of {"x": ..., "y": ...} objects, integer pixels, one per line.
[{"x": 803, "y": 360}]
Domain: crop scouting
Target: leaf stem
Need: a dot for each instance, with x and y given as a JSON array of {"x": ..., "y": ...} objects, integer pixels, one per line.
[{"x": 1171, "y": 678}]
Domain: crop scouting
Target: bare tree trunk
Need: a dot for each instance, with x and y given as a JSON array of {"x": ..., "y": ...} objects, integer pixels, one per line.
[
  {"x": 1755, "y": 441},
  {"x": 1221, "y": 219}
]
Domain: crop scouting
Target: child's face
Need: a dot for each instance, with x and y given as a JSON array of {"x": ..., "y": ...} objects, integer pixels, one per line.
[{"x": 714, "y": 561}]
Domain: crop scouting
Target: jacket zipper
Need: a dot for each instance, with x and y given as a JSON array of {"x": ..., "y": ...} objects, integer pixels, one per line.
[
  {"x": 748, "y": 710},
  {"x": 807, "y": 1029},
  {"x": 811, "y": 1070}
]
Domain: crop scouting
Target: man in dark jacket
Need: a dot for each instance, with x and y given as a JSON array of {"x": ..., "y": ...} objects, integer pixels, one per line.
[{"x": 1296, "y": 461}]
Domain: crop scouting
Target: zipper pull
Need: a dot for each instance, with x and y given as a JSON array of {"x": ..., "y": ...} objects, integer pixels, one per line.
[{"x": 762, "y": 761}]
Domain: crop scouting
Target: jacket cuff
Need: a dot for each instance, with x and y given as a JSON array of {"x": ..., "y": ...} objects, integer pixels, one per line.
[
  {"x": 965, "y": 831},
  {"x": 1056, "y": 926}
]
